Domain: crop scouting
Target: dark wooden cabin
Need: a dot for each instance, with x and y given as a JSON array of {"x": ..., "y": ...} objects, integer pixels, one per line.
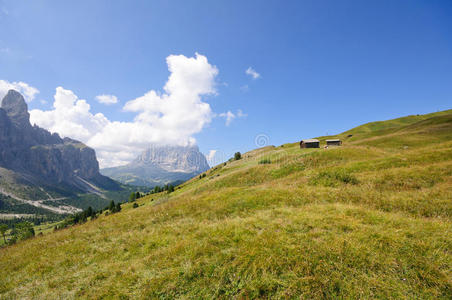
[
  {"x": 333, "y": 142},
  {"x": 310, "y": 143}
]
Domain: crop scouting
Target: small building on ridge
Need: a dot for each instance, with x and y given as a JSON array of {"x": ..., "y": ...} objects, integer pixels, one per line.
[
  {"x": 333, "y": 142},
  {"x": 310, "y": 143}
]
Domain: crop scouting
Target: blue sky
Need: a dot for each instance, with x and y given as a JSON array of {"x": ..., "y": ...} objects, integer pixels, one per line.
[{"x": 325, "y": 66}]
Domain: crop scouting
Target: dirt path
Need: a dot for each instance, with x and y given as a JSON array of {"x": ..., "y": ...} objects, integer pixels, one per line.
[{"x": 60, "y": 209}]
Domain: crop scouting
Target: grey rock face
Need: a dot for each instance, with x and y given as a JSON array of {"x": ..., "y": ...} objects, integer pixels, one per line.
[
  {"x": 44, "y": 156},
  {"x": 174, "y": 158},
  {"x": 16, "y": 108},
  {"x": 160, "y": 165}
]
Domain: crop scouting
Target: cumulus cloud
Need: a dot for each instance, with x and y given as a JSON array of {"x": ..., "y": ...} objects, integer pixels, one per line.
[
  {"x": 26, "y": 90},
  {"x": 230, "y": 116},
  {"x": 171, "y": 117},
  {"x": 250, "y": 71},
  {"x": 70, "y": 117},
  {"x": 107, "y": 99},
  {"x": 210, "y": 156}
]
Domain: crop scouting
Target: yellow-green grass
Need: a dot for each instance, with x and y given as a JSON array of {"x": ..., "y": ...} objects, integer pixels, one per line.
[{"x": 370, "y": 219}]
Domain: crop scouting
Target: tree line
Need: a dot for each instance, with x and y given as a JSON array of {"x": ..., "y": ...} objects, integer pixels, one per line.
[
  {"x": 21, "y": 230},
  {"x": 169, "y": 188}
]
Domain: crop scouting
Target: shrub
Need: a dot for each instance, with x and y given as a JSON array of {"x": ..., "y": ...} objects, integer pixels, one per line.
[
  {"x": 3, "y": 229},
  {"x": 12, "y": 240},
  {"x": 265, "y": 161},
  {"x": 237, "y": 156},
  {"x": 333, "y": 178},
  {"x": 132, "y": 197},
  {"x": 111, "y": 207},
  {"x": 135, "y": 205},
  {"x": 23, "y": 230},
  {"x": 90, "y": 212}
]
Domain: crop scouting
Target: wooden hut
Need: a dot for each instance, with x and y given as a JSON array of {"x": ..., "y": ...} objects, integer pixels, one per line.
[
  {"x": 333, "y": 142},
  {"x": 310, "y": 143}
]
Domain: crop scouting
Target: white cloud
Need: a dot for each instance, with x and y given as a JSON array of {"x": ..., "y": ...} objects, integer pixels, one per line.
[
  {"x": 172, "y": 117},
  {"x": 240, "y": 114},
  {"x": 230, "y": 116},
  {"x": 26, "y": 90},
  {"x": 210, "y": 157},
  {"x": 107, "y": 99},
  {"x": 250, "y": 71},
  {"x": 71, "y": 117}
]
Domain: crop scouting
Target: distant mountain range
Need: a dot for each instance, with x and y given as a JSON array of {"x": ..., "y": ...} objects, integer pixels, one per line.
[
  {"x": 40, "y": 171},
  {"x": 161, "y": 165}
]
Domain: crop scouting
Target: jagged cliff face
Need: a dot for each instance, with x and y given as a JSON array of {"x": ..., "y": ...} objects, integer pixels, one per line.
[
  {"x": 161, "y": 165},
  {"x": 36, "y": 152},
  {"x": 173, "y": 159}
]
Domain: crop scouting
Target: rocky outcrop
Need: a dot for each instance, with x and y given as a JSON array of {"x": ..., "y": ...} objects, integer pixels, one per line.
[
  {"x": 16, "y": 109},
  {"x": 160, "y": 165},
  {"x": 42, "y": 156}
]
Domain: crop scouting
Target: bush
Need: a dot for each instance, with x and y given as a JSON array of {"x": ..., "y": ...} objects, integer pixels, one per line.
[
  {"x": 3, "y": 229},
  {"x": 23, "y": 230},
  {"x": 118, "y": 207},
  {"x": 135, "y": 205},
  {"x": 265, "y": 161},
  {"x": 133, "y": 197},
  {"x": 111, "y": 206},
  {"x": 12, "y": 240},
  {"x": 237, "y": 156},
  {"x": 333, "y": 178}
]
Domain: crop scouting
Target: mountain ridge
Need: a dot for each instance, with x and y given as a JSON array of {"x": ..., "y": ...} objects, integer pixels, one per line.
[
  {"x": 45, "y": 165},
  {"x": 161, "y": 164}
]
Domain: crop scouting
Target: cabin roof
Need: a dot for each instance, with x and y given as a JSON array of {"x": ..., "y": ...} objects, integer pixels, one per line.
[
  {"x": 333, "y": 140},
  {"x": 310, "y": 141}
]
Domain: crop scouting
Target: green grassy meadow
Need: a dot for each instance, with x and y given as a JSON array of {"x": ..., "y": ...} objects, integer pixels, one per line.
[{"x": 370, "y": 219}]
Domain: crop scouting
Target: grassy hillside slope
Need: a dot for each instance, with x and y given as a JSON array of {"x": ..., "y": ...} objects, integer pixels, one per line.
[{"x": 370, "y": 219}]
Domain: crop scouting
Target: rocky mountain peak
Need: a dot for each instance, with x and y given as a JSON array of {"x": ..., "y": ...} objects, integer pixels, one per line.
[
  {"x": 41, "y": 155},
  {"x": 160, "y": 164},
  {"x": 16, "y": 108},
  {"x": 174, "y": 158}
]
